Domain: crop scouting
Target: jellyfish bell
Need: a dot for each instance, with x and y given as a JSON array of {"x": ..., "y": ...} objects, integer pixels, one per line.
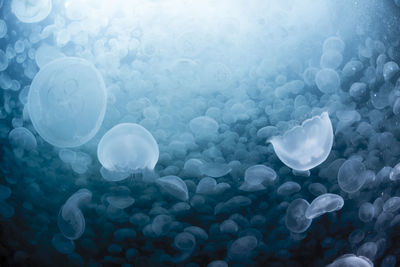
[
  {"x": 67, "y": 102},
  {"x": 305, "y": 146},
  {"x": 127, "y": 148},
  {"x": 31, "y": 11}
]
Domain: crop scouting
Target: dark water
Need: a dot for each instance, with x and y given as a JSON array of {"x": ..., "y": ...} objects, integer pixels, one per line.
[{"x": 199, "y": 133}]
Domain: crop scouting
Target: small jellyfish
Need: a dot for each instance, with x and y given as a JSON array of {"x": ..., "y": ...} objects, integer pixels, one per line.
[
  {"x": 351, "y": 175},
  {"x": 259, "y": 174},
  {"x": 306, "y": 146},
  {"x": 218, "y": 263},
  {"x": 295, "y": 219},
  {"x": 206, "y": 186},
  {"x": 242, "y": 248},
  {"x": 288, "y": 188},
  {"x": 366, "y": 212},
  {"x": 71, "y": 221},
  {"x": 215, "y": 169},
  {"x": 331, "y": 59},
  {"x": 67, "y": 102},
  {"x": 392, "y": 204},
  {"x": 390, "y": 69},
  {"x": 351, "y": 260},
  {"x": 333, "y": 43},
  {"x": 327, "y": 80},
  {"x": 204, "y": 127},
  {"x": 174, "y": 186},
  {"x": 323, "y": 204},
  {"x": 126, "y": 148},
  {"x": 161, "y": 224},
  {"x": 185, "y": 241},
  {"x": 120, "y": 197},
  {"x": 3, "y": 60},
  {"x": 31, "y": 11},
  {"x": 63, "y": 244},
  {"x": 21, "y": 137}
]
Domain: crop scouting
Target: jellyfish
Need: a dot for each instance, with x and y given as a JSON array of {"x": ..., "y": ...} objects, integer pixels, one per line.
[
  {"x": 31, "y": 11},
  {"x": 127, "y": 148},
  {"x": 306, "y": 146},
  {"x": 67, "y": 102},
  {"x": 204, "y": 127},
  {"x": 351, "y": 176},
  {"x": 174, "y": 186},
  {"x": 323, "y": 204},
  {"x": 21, "y": 137},
  {"x": 351, "y": 260},
  {"x": 327, "y": 80},
  {"x": 295, "y": 219},
  {"x": 71, "y": 221}
]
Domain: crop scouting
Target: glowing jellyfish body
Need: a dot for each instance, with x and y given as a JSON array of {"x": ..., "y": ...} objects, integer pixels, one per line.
[
  {"x": 126, "y": 148},
  {"x": 71, "y": 221},
  {"x": 351, "y": 260},
  {"x": 323, "y": 204},
  {"x": 67, "y": 102},
  {"x": 306, "y": 146},
  {"x": 31, "y": 11},
  {"x": 351, "y": 176},
  {"x": 295, "y": 219}
]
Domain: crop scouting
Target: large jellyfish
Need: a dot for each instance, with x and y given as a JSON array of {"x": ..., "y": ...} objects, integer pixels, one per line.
[
  {"x": 306, "y": 146},
  {"x": 67, "y": 102},
  {"x": 31, "y": 11},
  {"x": 126, "y": 148}
]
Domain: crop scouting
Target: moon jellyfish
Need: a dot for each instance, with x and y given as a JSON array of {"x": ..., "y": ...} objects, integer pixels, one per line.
[
  {"x": 204, "y": 127},
  {"x": 242, "y": 248},
  {"x": 31, "y": 11},
  {"x": 351, "y": 260},
  {"x": 126, "y": 148},
  {"x": 71, "y": 221},
  {"x": 351, "y": 175},
  {"x": 288, "y": 188},
  {"x": 185, "y": 241},
  {"x": 327, "y": 81},
  {"x": 63, "y": 244},
  {"x": 174, "y": 186},
  {"x": 21, "y": 137},
  {"x": 306, "y": 146},
  {"x": 323, "y": 204},
  {"x": 67, "y": 102},
  {"x": 295, "y": 219}
]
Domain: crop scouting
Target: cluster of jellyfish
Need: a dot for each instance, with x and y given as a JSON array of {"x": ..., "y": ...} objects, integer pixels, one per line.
[{"x": 240, "y": 164}]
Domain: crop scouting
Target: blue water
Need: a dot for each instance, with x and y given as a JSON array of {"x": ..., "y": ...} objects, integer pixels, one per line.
[{"x": 199, "y": 133}]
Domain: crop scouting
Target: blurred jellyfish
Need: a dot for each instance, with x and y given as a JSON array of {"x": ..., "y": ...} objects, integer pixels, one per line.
[
  {"x": 71, "y": 221},
  {"x": 351, "y": 260},
  {"x": 67, "y": 102},
  {"x": 295, "y": 219},
  {"x": 306, "y": 146},
  {"x": 174, "y": 186},
  {"x": 31, "y": 11},
  {"x": 127, "y": 148},
  {"x": 327, "y": 81},
  {"x": 323, "y": 204},
  {"x": 21, "y": 137}
]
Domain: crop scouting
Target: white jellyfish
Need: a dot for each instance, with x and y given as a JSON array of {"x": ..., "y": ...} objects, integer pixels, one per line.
[
  {"x": 351, "y": 260},
  {"x": 351, "y": 175},
  {"x": 21, "y": 137},
  {"x": 127, "y": 148},
  {"x": 204, "y": 127},
  {"x": 306, "y": 146},
  {"x": 31, "y": 11},
  {"x": 174, "y": 186},
  {"x": 67, "y": 102},
  {"x": 324, "y": 203},
  {"x": 71, "y": 221},
  {"x": 327, "y": 81},
  {"x": 295, "y": 219}
]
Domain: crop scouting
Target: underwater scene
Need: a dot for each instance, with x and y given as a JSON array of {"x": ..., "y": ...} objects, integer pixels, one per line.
[{"x": 215, "y": 133}]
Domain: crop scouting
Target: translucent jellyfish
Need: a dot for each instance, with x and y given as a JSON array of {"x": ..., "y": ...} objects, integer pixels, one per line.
[
  {"x": 71, "y": 221},
  {"x": 228, "y": 227},
  {"x": 331, "y": 59},
  {"x": 31, "y": 11},
  {"x": 351, "y": 260},
  {"x": 242, "y": 248},
  {"x": 389, "y": 70},
  {"x": 21, "y": 137},
  {"x": 358, "y": 91},
  {"x": 46, "y": 53},
  {"x": 366, "y": 212},
  {"x": 333, "y": 43},
  {"x": 67, "y": 102},
  {"x": 218, "y": 263},
  {"x": 317, "y": 189},
  {"x": 185, "y": 241},
  {"x": 351, "y": 175},
  {"x": 3, "y": 28},
  {"x": 174, "y": 186},
  {"x": 327, "y": 80},
  {"x": 120, "y": 197},
  {"x": 206, "y": 186},
  {"x": 259, "y": 174},
  {"x": 3, "y": 61},
  {"x": 126, "y": 148},
  {"x": 394, "y": 174},
  {"x": 204, "y": 127},
  {"x": 198, "y": 232},
  {"x": 306, "y": 146},
  {"x": 63, "y": 244},
  {"x": 161, "y": 224},
  {"x": 323, "y": 204},
  {"x": 288, "y": 188},
  {"x": 392, "y": 204},
  {"x": 215, "y": 169},
  {"x": 368, "y": 250},
  {"x": 295, "y": 219}
]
